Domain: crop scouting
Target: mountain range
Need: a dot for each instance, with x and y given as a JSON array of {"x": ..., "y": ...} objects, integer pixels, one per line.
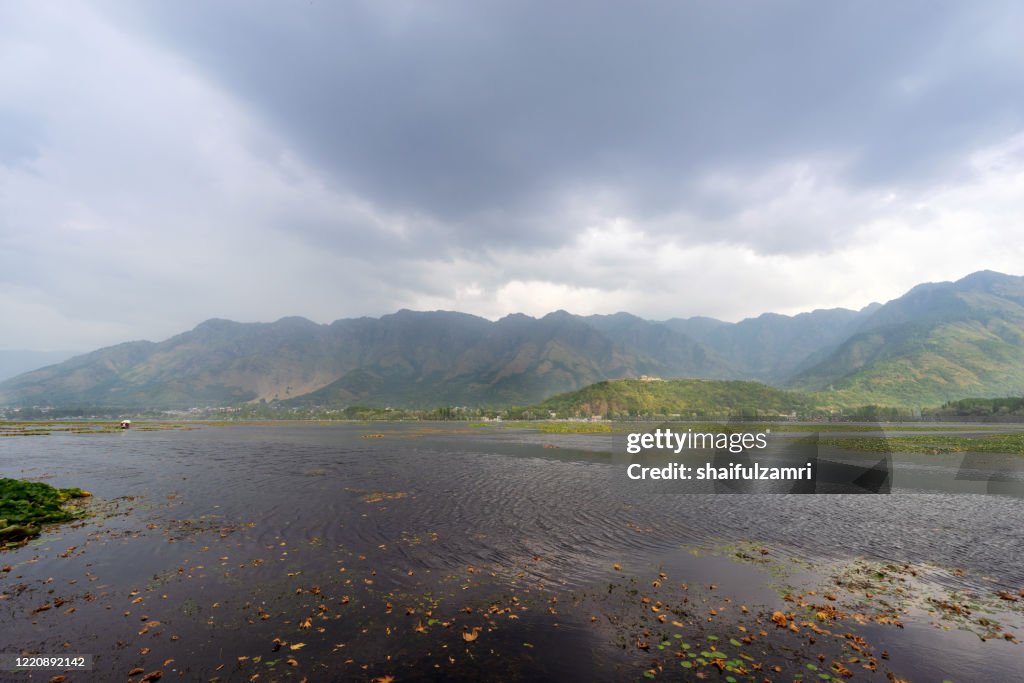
[{"x": 938, "y": 342}]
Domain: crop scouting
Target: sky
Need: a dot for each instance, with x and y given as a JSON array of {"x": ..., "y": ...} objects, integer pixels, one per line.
[{"x": 162, "y": 163}]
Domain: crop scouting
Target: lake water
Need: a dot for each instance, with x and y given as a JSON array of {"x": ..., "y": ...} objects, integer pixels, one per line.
[{"x": 449, "y": 552}]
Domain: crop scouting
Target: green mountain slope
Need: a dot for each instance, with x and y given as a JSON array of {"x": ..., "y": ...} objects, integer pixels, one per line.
[
  {"x": 939, "y": 342},
  {"x": 686, "y": 397}
]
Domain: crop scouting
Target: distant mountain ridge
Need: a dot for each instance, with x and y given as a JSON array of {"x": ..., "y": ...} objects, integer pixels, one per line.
[
  {"x": 418, "y": 359},
  {"x": 938, "y": 342}
]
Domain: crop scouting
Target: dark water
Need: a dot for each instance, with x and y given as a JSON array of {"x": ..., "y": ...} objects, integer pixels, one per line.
[{"x": 393, "y": 548}]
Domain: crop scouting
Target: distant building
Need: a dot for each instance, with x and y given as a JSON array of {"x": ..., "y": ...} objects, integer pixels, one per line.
[{"x": 126, "y": 424}]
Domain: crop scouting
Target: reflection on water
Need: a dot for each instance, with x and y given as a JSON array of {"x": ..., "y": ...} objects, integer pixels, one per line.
[{"x": 251, "y": 530}]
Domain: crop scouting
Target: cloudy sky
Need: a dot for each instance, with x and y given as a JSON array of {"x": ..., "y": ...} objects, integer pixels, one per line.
[{"x": 162, "y": 163}]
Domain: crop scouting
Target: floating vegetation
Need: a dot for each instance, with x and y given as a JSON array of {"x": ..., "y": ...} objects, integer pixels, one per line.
[
  {"x": 669, "y": 625},
  {"x": 26, "y": 505},
  {"x": 378, "y": 496},
  {"x": 862, "y": 591},
  {"x": 106, "y": 427},
  {"x": 933, "y": 444},
  {"x": 573, "y": 427},
  {"x": 814, "y": 427}
]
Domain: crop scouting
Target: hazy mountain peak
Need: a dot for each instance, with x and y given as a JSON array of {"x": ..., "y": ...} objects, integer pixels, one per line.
[
  {"x": 295, "y": 321},
  {"x": 560, "y": 314}
]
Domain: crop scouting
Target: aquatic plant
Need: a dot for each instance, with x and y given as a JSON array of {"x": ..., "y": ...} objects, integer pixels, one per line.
[
  {"x": 1012, "y": 443},
  {"x": 25, "y": 505}
]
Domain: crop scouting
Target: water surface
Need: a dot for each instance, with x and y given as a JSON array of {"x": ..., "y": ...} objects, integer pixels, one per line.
[{"x": 444, "y": 551}]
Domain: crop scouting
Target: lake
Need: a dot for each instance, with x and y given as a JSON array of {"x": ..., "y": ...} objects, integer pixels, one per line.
[{"x": 445, "y": 551}]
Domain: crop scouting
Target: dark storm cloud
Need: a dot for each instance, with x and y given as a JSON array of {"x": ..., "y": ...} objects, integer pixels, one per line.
[
  {"x": 484, "y": 116},
  {"x": 166, "y": 162}
]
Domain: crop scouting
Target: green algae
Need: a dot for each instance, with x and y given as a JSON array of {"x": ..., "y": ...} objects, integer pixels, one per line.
[{"x": 26, "y": 505}]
